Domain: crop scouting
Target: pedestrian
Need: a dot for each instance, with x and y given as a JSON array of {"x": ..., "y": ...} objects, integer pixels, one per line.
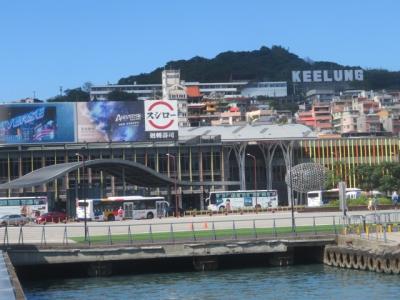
[
  {"x": 375, "y": 202},
  {"x": 369, "y": 204},
  {"x": 395, "y": 199},
  {"x": 120, "y": 213},
  {"x": 228, "y": 205}
]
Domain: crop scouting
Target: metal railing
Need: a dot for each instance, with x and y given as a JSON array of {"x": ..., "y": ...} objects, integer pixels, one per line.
[
  {"x": 179, "y": 231},
  {"x": 374, "y": 226}
]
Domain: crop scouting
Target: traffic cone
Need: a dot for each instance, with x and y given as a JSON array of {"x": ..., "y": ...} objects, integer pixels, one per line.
[{"x": 205, "y": 225}]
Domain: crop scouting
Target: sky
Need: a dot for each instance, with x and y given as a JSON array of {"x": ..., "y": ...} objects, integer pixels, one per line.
[{"x": 47, "y": 45}]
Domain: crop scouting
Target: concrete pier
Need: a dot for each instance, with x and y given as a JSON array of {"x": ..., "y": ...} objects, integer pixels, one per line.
[
  {"x": 204, "y": 255},
  {"x": 10, "y": 287},
  {"x": 353, "y": 252}
]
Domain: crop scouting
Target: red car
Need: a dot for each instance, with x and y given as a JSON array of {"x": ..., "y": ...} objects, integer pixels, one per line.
[{"x": 53, "y": 216}]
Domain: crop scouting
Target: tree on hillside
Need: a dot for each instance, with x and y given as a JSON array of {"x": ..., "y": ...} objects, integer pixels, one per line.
[
  {"x": 121, "y": 96},
  {"x": 279, "y": 105},
  {"x": 72, "y": 95}
]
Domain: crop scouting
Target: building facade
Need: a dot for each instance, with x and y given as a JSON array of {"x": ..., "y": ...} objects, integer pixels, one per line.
[{"x": 200, "y": 156}]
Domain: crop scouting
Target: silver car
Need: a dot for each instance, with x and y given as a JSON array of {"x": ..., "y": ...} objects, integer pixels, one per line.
[{"x": 15, "y": 220}]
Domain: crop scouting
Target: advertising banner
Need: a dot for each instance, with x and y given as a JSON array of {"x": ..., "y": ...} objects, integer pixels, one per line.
[
  {"x": 117, "y": 121},
  {"x": 161, "y": 119},
  {"x": 37, "y": 123},
  {"x": 110, "y": 121}
]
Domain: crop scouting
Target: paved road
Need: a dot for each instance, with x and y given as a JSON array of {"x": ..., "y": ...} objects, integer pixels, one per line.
[{"x": 58, "y": 233}]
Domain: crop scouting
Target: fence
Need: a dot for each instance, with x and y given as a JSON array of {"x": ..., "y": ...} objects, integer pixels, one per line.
[
  {"x": 375, "y": 226},
  {"x": 178, "y": 231}
]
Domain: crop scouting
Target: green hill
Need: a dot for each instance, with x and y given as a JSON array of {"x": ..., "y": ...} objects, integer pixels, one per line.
[{"x": 265, "y": 64}]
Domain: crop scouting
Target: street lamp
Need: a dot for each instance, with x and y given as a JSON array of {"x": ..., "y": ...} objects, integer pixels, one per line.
[
  {"x": 290, "y": 152},
  {"x": 176, "y": 190},
  {"x": 255, "y": 174},
  {"x": 83, "y": 192}
]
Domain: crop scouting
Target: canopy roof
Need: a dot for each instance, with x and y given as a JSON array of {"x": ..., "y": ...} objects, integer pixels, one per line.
[{"x": 135, "y": 173}]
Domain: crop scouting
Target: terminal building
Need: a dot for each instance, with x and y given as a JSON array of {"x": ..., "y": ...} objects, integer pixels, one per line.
[{"x": 210, "y": 154}]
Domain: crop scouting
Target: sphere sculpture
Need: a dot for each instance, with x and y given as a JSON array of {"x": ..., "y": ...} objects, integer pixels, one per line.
[{"x": 307, "y": 177}]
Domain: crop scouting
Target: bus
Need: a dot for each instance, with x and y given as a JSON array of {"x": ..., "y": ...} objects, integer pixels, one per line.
[
  {"x": 319, "y": 198},
  {"x": 218, "y": 201},
  {"x": 30, "y": 207},
  {"x": 134, "y": 207}
]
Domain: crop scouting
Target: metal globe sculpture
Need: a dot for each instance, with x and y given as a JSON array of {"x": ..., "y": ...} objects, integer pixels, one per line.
[{"x": 306, "y": 177}]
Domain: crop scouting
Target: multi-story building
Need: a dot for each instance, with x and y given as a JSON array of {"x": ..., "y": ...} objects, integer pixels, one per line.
[
  {"x": 348, "y": 121},
  {"x": 225, "y": 89},
  {"x": 391, "y": 124},
  {"x": 369, "y": 123},
  {"x": 319, "y": 95},
  {"x": 172, "y": 89},
  {"x": 319, "y": 117}
]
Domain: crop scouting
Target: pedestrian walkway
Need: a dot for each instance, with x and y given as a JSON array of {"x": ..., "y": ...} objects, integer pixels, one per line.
[
  {"x": 6, "y": 288},
  {"x": 393, "y": 237}
]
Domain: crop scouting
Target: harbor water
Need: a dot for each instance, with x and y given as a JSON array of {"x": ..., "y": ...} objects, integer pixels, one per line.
[{"x": 294, "y": 282}]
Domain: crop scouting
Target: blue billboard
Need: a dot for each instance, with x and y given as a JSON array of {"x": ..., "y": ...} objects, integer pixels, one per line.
[
  {"x": 37, "y": 123},
  {"x": 110, "y": 121}
]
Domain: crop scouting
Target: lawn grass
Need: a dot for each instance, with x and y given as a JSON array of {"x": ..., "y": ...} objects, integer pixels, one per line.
[{"x": 206, "y": 234}]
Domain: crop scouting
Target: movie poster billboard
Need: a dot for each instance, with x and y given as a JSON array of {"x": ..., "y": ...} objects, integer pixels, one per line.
[
  {"x": 37, "y": 123},
  {"x": 110, "y": 121},
  {"x": 161, "y": 119},
  {"x": 119, "y": 121}
]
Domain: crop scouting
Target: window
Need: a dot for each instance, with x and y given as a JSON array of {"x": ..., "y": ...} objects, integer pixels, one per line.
[
  {"x": 26, "y": 201},
  {"x": 13, "y": 202}
]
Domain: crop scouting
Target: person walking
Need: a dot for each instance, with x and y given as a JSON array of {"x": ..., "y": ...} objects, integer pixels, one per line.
[
  {"x": 395, "y": 199},
  {"x": 369, "y": 203},
  {"x": 375, "y": 203},
  {"x": 120, "y": 213}
]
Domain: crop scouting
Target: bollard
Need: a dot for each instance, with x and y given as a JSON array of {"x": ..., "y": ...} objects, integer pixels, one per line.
[
  {"x": 193, "y": 232},
  {"x": 384, "y": 234},
  {"x": 21, "y": 236},
  {"x": 65, "y": 238},
  {"x": 130, "y": 235},
  {"x": 214, "y": 233}
]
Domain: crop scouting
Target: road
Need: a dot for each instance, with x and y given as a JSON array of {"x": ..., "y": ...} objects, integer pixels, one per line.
[{"x": 59, "y": 233}]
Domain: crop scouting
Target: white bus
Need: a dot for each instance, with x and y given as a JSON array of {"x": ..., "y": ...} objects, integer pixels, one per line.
[
  {"x": 319, "y": 198},
  {"x": 218, "y": 201},
  {"x": 30, "y": 207},
  {"x": 134, "y": 207}
]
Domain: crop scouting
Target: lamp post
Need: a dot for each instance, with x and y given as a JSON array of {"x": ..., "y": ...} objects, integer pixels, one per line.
[
  {"x": 83, "y": 191},
  {"x": 176, "y": 190},
  {"x": 290, "y": 152},
  {"x": 255, "y": 174}
]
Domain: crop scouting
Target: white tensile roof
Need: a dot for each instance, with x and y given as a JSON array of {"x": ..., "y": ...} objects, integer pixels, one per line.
[{"x": 248, "y": 132}]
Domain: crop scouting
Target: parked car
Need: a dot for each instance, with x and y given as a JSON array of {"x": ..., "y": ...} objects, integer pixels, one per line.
[
  {"x": 54, "y": 216},
  {"x": 15, "y": 220}
]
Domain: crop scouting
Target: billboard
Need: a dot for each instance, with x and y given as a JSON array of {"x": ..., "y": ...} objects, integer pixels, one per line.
[
  {"x": 117, "y": 121},
  {"x": 328, "y": 75},
  {"x": 37, "y": 123},
  {"x": 161, "y": 119},
  {"x": 110, "y": 121}
]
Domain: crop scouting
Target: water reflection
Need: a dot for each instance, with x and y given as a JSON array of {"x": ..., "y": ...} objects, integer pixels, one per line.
[{"x": 296, "y": 282}]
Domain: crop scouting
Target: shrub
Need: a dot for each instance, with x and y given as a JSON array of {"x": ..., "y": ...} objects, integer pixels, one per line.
[{"x": 361, "y": 201}]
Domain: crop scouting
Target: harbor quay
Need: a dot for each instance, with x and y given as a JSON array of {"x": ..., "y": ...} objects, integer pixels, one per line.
[
  {"x": 360, "y": 240},
  {"x": 205, "y": 243}
]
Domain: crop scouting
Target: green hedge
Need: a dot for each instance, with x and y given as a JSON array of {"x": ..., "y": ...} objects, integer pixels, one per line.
[{"x": 360, "y": 201}]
